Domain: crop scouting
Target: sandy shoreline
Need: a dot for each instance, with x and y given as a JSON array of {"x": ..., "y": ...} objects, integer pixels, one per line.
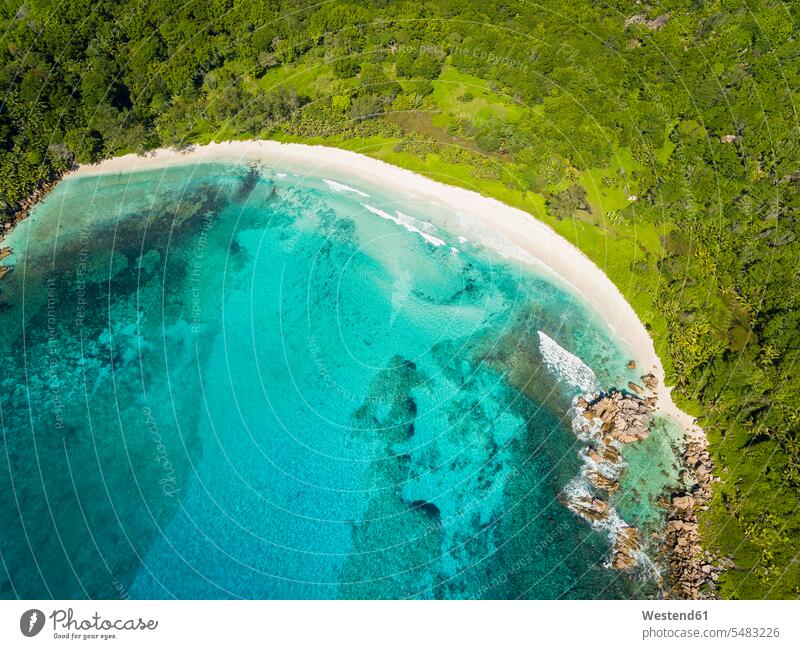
[{"x": 511, "y": 231}]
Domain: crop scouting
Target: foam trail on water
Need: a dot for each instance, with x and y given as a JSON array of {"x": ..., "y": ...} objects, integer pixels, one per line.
[
  {"x": 409, "y": 223},
  {"x": 339, "y": 187},
  {"x": 566, "y": 366}
]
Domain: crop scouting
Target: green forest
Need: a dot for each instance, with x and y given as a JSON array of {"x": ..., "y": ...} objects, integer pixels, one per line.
[{"x": 662, "y": 139}]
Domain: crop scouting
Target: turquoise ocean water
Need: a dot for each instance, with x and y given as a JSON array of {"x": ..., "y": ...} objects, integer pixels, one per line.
[{"x": 225, "y": 383}]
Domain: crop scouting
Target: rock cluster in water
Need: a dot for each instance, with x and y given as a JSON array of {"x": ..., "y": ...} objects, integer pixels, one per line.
[
  {"x": 627, "y": 543},
  {"x": 619, "y": 417},
  {"x": 608, "y": 421},
  {"x": 623, "y": 417}
]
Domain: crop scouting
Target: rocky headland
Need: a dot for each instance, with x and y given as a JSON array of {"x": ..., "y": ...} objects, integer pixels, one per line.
[
  {"x": 16, "y": 212},
  {"x": 692, "y": 572},
  {"x": 607, "y": 422}
]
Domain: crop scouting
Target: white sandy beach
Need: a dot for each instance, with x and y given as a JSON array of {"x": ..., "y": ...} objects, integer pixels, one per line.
[{"x": 511, "y": 231}]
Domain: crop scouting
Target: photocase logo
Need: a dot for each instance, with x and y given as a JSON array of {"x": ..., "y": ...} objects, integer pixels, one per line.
[
  {"x": 31, "y": 622},
  {"x": 67, "y": 626}
]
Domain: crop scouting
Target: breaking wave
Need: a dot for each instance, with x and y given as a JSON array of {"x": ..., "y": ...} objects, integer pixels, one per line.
[
  {"x": 339, "y": 187},
  {"x": 409, "y": 223},
  {"x": 566, "y": 366}
]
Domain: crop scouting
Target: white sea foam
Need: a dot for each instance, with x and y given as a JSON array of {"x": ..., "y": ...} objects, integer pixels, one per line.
[
  {"x": 585, "y": 429},
  {"x": 280, "y": 175},
  {"x": 566, "y": 366},
  {"x": 577, "y": 489},
  {"x": 409, "y": 223},
  {"x": 339, "y": 187},
  {"x": 580, "y": 490},
  {"x": 610, "y": 470},
  {"x": 648, "y": 570}
]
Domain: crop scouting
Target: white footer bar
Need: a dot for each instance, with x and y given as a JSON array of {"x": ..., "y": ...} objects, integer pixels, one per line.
[{"x": 405, "y": 624}]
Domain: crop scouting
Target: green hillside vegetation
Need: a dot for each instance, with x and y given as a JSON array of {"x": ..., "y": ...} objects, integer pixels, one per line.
[{"x": 666, "y": 149}]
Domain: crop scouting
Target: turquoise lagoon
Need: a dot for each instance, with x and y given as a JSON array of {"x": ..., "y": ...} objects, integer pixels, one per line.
[{"x": 224, "y": 382}]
